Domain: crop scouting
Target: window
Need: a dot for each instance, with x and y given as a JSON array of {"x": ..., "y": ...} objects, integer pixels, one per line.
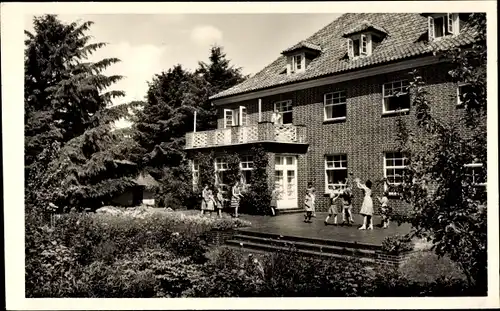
[
  {"x": 359, "y": 45},
  {"x": 462, "y": 90},
  {"x": 395, "y": 164},
  {"x": 234, "y": 117},
  {"x": 220, "y": 171},
  {"x": 396, "y": 96},
  {"x": 335, "y": 171},
  {"x": 476, "y": 174},
  {"x": 284, "y": 108},
  {"x": 335, "y": 105},
  {"x": 296, "y": 63},
  {"x": 246, "y": 166},
  {"x": 196, "y": 173},
  {"x": 441, "y": 25}
]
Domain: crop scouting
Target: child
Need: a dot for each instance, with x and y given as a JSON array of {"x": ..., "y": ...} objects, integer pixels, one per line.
[
  {"x": 310, "y": 187},
  {"x": 367, "y": 206},
  {"x": 333, "y": 210},
  {"x": 347, "y": 204},
  {"x": 220, "y": 201},
  {"x": 204, "y": 199},
  {"x": 211, "y": 202},
  {"x": 384, "y": 209},
  {"x": 274, "y": 201},
  {"x": 309, "y": 206},
  {"x": 236, "y": 197}
]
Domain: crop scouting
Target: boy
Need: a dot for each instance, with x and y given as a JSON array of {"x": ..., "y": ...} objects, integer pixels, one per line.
[
  {"x": 333, "y": 210},
  {"x": 384, "y": 209}
]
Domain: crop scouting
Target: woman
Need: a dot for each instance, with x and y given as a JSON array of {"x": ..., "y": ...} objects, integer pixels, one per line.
[
  {"x": 235, "y": 198},
  {"x": 367, "y": 207}
]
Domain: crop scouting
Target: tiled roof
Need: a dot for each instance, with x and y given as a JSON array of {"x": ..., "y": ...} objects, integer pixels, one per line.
[
  {"x": 362, "y": 26},
  {"x": 406, "y": 37},
  {"x": 303, "y": 44}
]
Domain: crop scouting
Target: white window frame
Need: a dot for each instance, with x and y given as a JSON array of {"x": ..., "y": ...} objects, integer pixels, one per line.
[
  {"x": 365, "y": 45},
  {"x": 384, "y": 97},
  {"x": 220, "y": 165},
  {"x": 404, "y": 158},
  {"x": 459, "y": 86},
  {"x": 472, "y": 165},
  {"x": 451, "y": 25},
  {"x": 340, "y": 94},
  {"x": 226, "y": 111},
  {"x": 343, "y": 161},
  {"x": 239, "y": 117},
  {"x": 296, "y": 64},
  {"x": 278, "y": 105},
  {"x": 243, "y": 116},
  {"x": 246, "y": 164}
]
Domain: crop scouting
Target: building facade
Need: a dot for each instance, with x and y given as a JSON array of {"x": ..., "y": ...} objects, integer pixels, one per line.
[{"x": 326, "y": 109}]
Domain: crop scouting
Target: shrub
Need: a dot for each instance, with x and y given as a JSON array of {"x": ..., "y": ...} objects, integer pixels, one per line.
[
  {"x": 427, "y": 267},
  {"x": 397, "y": 244}
]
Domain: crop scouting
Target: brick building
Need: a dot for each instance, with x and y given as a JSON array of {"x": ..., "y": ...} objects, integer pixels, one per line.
[{"x": 336, "y": 96}]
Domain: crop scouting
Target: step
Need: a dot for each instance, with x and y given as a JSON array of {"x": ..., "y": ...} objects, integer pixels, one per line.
[
  {"x": 317, "y": 241},
  {"x": 261, "y": 248},
  {"x": 289, "y": 211},
  {"x": 306, "y": 245}
]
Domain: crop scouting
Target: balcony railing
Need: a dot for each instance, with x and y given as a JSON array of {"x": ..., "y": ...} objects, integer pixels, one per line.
[{"x": 262, "y": 132}]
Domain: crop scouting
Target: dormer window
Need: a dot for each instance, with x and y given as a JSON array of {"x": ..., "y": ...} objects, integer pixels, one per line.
[
  {"x": 300, "y": 56},
  {"x": 359, "y": 46},
  {"x": 443, "y": 24},
  {"x": 363, "y": 38},
  {"x": 297, "y": 62}
]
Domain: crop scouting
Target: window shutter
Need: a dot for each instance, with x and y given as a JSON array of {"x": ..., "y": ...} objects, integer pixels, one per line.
[
  {"x": 227, "y": 112},
  {"x": 243, "y": 116},
  {"x": 431, "y": 28},
  {"x": 350, "y": 51},
  {"x": 364, "y": 45},
  {"x": 450, "y": 23}
]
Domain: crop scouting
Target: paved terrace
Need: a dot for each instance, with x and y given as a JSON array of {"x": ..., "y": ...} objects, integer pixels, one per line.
[{"x": 294, "y": 225}]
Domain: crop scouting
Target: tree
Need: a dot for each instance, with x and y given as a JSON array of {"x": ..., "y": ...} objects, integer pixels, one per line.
[
  {"x": 65, "y": 97},
  {"x": 448, "y": 206},
  {"x": 220, "y": 76}
]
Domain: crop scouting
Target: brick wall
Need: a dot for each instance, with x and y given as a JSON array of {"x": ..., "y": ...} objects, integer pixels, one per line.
[{"x": 365, "y": 134}]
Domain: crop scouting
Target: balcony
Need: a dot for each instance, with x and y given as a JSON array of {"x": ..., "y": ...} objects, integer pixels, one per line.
[{"x": 264, "y": 132}]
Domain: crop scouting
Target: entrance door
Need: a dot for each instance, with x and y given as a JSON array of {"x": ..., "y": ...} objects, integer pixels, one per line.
[{"x": 285, "y": 178}]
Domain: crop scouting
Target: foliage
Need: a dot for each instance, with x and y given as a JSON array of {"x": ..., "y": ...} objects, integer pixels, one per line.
[
  {"x": 448, "y": 208},
  {"x": 427, "y": 267},
  {"x": 233, "y": 173},
  {"x": 68, "y": 118},
  {"x": 177, "y": 189},
  {"x": 258, "y": 197},
  {"x": 206, "y": 169},
  {"x": 397, "y": 244}
]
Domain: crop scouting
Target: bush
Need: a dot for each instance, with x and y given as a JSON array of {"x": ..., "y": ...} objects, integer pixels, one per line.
[
  {"x": 397, "y": 244},
  {"x": 427, "y": 267}
]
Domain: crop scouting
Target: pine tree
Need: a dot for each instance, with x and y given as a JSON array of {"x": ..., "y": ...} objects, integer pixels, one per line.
[
  {"x": 66, "y": 112},
  {"x": 220, "y": 76}
]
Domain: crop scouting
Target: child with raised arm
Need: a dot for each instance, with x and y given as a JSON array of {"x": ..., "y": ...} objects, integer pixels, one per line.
[
  {"x": 367, "y": 206},
  {"x": 347, "y": 198},
  {"x": 333, "y": 210}
]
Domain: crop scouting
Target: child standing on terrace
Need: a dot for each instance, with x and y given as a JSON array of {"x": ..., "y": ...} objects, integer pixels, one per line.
[
  {"x": 220, "y": 201},
  {"x": 384, "y": 209},
  {"x": 334, "y": 210},
  {"x": 204, "y": 199},
  {"x": 310, "y": 188},
  {"x": 309, "y": 205},
  {"x": 274, "y": 201},
  {"x": 367, "y": 206}
]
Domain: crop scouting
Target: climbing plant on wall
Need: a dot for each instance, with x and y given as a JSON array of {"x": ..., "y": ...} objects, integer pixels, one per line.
[{"x": 257, "y": 199}]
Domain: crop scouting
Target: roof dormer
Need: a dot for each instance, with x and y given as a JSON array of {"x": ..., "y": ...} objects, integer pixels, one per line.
[
  {"x": 363, "y": 38},
  {"x": 300, "y": 55},
  {"x": 442, "y": 24}
]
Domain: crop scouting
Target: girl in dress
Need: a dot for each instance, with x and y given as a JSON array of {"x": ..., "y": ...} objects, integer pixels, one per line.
[
  {"x": 311, "y": 188},
  {"x": 309, "y": 206},
  {"x": 347, "y": 198},
  {"x": 333, "y": 210},
  {"x": 235, "y": 198},
  {"x": 220, "y": 201},
  {"x": 210, "y": 202},
  {"x": 367, "y": 207},
  {"x": 204, "y": 199}
]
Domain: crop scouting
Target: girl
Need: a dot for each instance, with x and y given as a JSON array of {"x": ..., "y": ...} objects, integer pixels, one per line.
[
  {"x": 211, "y": 202},
  {"x": 347, "y": 198},
  {"x": 333, "y": 206},
  {"x": 384, "y": 209},
  {"x": 235, "y": 198},
  {"x": 367, "y": 207},
  {"x": 310, "y": 188},
  {"x": 274, "y": 201},
  {"x": 309, "y": 205},
  {"x": 220, "y": 201},
  {"x": 204, "y": 199}
]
